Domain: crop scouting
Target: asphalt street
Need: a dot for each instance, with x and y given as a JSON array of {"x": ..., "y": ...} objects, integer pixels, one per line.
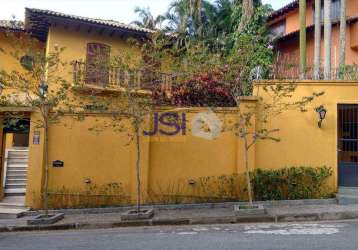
[{"x": 325, "y": 235}]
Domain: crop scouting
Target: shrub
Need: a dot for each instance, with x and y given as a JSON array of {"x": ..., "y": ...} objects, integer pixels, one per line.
[
  {"x": 203, "y": 90},
  {"x": 112, "y": 194},
  {"x": 291, "y": 183}
]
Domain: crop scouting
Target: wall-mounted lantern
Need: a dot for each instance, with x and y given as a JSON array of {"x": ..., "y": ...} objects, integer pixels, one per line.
[
  {"x": 322, "y": 111},
  {"x": 43, "y": 89},
  {"x": 192, "y": 182},
  {"x": 87, "y": 181}
]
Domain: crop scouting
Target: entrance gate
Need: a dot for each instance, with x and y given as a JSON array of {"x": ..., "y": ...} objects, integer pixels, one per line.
[{"x": 348, "y": 145}]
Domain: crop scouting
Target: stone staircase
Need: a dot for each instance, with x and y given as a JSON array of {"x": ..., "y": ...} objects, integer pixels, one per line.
[
  {"x": 16, "y": 171},
  {"x": 12, "y": 207},
  {"x": 347, "y": 195}
]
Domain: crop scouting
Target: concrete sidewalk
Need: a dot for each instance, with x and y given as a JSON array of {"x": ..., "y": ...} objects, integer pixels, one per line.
[{"x": 189, "y": 215}]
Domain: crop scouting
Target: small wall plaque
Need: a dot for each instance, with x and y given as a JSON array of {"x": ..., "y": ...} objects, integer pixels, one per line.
[
  {"x": 58, "y": 164},
  {"x": 36, "y": 138}
]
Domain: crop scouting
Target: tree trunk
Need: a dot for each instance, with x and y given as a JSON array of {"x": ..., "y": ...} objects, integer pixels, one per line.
[
  {"x": 247, "y": 168},
  {"x": 342, "y": 39},
  {"x": 138, "y": 169},
  {"x": 317, "y": 40},
  {"x": 45, "y": 190},
  {"x": 195, "y": 12},
  {"x": 247, "y": 13},
  {"x": 327, "y": 39},
  {"x": 303, "y": 45}
]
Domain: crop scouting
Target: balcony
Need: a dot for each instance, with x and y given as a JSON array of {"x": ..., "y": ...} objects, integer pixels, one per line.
[
  {"x": 114, "y": 79},
  {"x": 287, "y": 71}
]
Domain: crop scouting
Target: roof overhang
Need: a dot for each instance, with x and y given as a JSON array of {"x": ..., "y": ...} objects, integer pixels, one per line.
[
  {"x": 16, "y": 109},
  {"x": 37, "y": 22},
  {"x": 310, "y": 28},
  {"x": 285, "y": 9}
]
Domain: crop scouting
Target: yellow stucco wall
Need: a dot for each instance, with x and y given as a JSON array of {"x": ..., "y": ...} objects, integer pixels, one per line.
[
  {"x": 75, "y": 43},
  {"x": 174, "y": 165},
  {"x": 303, "y": 143},
  {"x": 96, "y": 163},
  {"x": 7, "y": 61},
  {"x": 105, "y": 159}
]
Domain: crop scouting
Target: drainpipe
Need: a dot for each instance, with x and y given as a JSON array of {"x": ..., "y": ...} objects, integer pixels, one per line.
[
  {"x": 317, "y": 40},
  {"x": 327, "y": 40},
  {"x": 303, "y": 45}
]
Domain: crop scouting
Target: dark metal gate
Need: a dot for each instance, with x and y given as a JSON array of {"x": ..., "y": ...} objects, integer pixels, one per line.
[{"x": 348, "y": 145}]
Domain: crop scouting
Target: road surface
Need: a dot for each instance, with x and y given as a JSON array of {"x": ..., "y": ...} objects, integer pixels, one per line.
[{"x": 325, "y": 235}]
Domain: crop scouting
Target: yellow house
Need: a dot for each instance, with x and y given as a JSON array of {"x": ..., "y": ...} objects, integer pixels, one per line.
[{"x": 89, "y": 169}]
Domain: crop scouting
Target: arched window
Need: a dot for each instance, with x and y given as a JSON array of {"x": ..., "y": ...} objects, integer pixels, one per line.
[
  {"x": 97, "y": 64},
  {"x": 27, "y": 62}
]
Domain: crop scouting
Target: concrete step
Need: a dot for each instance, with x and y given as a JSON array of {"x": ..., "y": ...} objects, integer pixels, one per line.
[
  {"x": 348, "y": 191},
  {"x": 16, "y": 180},
  {"x": 12, "y": 207},
  {"x": 16, "y": 191},
  {"x": 15, "y": 171},
  {"x": 15, "y": 185},
  {"x": 345, "y": 199},
  {"x": 11, "y": 212}
]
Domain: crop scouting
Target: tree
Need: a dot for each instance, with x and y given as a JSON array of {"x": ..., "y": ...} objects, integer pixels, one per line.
[
  {"x": 38, "y": 86},
  {"x": 247, "y": 13},
  {"x": 278, "y": 100},
  {"x": 189, "y": 18},
  {"x": 128, "y": 110},
  {"x": 303, "y": 45},
  {"x": 327, "y": 39},
  {"x": 201, "y": 65},
  {"x": 147, "y": 20},
  {"x": 342, "y": 38},
  {"x": 317, "y": 40}
]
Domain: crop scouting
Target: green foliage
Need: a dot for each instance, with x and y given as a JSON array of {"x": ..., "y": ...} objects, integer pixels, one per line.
[
  {"x": 111, "y": 194},
  {"x": 204, "y": 39},
  {"x": 223, "y": 188},
  {"x": 291, "y": 183},
  {"x": 348, "y": 72}
]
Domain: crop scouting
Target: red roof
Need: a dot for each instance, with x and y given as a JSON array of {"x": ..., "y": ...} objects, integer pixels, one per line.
[{"x": 285, "y": 9}]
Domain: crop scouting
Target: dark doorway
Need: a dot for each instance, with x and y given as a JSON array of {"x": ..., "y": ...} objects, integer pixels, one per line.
[
  {"x": 19, "y": 127},
  {"x": 348, "y": 145},
  {"x": 16, "y": 153}
]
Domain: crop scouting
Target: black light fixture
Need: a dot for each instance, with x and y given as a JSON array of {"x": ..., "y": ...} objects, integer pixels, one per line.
[
  {"x": 322, "y": 111},
  {"x": 43, "y": 89}
]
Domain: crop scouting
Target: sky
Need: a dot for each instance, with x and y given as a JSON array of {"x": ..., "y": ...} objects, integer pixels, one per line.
[{"x": 119, "y": 10}]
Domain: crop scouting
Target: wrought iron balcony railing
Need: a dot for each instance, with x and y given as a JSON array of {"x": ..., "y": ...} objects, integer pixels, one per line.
[
  {"x": 117, "y": 77},
  {"x": 284, "y": 71}
]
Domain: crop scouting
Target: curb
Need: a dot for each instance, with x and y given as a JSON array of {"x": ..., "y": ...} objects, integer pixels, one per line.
[
  {"x": 327, "y": 216},
  {"x": 186, "y": 206}
]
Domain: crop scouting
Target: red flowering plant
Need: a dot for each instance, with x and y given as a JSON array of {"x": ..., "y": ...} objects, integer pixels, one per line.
[{"x": 201, "y": 90}]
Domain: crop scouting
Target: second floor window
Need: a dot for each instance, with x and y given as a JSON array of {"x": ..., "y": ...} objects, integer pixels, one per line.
[
  {"x": 97, "y": 64},
  {"x": 335, "y": 10},
  {"x": 279, "y": 29}
]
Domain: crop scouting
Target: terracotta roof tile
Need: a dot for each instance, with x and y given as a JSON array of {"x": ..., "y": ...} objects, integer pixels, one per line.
[
  {"x": 110, "y": 23},
  {"x": 311, "y": 27},
  {"x": 288, "y": 7}
]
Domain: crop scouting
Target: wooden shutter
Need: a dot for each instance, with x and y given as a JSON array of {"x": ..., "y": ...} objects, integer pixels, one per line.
[{"x": 97, "y": 64}]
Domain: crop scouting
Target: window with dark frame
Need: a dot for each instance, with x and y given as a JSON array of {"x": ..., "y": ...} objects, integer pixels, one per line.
[
  {"x": 335, "y": 10},
  {"x": 279, "y": 29},
  {"x": 97, "y": 64}
]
